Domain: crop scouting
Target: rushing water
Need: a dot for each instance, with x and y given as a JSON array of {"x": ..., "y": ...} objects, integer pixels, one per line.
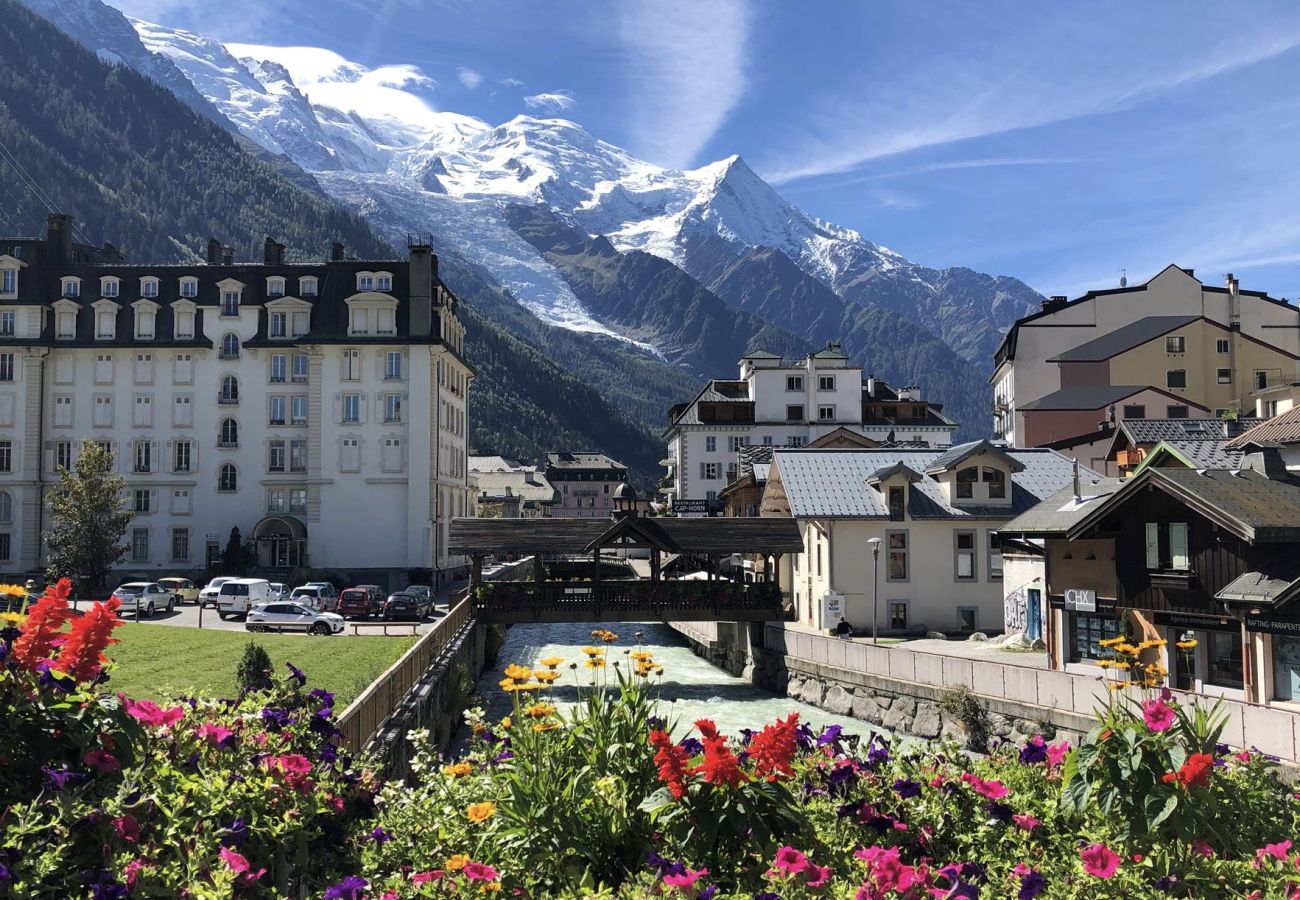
[{"x": 690, "y": 687}]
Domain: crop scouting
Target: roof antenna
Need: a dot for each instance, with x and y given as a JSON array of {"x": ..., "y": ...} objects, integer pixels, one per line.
[{"x": 1123, "y": 277}]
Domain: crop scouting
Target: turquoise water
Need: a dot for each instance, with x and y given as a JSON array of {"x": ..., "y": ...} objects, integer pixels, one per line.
[{"x": 690, "y": 687}]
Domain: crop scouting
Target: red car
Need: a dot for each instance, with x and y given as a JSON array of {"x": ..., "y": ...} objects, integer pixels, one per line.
[{"x": 359, "y": 603}]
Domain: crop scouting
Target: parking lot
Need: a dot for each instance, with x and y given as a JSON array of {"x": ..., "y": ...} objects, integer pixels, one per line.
[{"x": 187, "y": 616}]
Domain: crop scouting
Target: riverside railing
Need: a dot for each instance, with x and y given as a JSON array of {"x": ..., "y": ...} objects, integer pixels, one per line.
[
  {"x": 366, "y": 714},
  {"x": 617, "y": 597}
]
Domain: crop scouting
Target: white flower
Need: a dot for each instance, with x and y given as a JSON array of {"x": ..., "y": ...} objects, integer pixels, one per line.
[{"x": 418, "y": 735}]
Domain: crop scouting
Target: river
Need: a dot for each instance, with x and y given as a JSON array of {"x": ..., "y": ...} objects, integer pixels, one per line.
[{"x": 691, "y": 688}]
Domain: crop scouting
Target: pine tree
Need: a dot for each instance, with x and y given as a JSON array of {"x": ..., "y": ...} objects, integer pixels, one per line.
[{"x": 88, "y": 518}]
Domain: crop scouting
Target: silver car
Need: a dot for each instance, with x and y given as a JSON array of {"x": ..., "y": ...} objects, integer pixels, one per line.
[
  {"x": 144, "y": 598},
  {"x": 292, "y": 617}
]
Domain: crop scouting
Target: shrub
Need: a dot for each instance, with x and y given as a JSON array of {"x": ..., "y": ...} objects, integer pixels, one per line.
[
  {"x": 967, "y": 709},
  {"x": 253, "y": 672}
]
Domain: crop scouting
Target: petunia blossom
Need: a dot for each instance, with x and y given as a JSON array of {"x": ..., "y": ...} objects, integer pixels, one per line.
[
  {"x": 479, "y": 872},
  {"x": 1026, "y": 821},
  {"x": 127, "y": 828},
  {"x": 1099, "y": 860},
  {"x": 790, "y": 860},
  {"x": 1057, "y": 752},
  {"x": 236, "y": 862},
  {"x": 101, "y": 761},
  {"x": 1157, "y": 714},
  {"x": 150, "y": 714},
  {"x": 685, "y": 879}
]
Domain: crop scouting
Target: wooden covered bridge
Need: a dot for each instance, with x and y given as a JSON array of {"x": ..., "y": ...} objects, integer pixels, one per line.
[{"x": 600, "y": 598}]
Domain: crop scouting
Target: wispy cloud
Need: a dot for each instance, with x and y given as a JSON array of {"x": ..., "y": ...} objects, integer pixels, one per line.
[
  {"x": 686, "y": 64},
  {"x": 511, "y": 82},
  {"x": 551, "y": 101},
  {"x": 1016, "y": 84},
  {"x": 468, "y": 77}
]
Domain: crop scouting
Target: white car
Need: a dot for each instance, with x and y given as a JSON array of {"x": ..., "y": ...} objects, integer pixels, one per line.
[
  {"x": 293, "y": 617},
  {"x": 280, "y": 590},
  {"x": 144, "y": 598},
  {"x": 208, "y": 596}
]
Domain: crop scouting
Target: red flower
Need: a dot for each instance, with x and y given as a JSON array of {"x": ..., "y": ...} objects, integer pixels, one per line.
[
  {"x": 40, "y": 632},
  {"x": 671, "y": 761},
  {"x": 773, "y": 749},
  {"x": 82, "y": 654},
  {"x": 720, "y": 765},
  {"x": 1193, "y": 773}
]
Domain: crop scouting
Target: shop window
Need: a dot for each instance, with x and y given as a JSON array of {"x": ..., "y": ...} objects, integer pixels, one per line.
[
  {"x": 1225, "y": 659},
  {"x": 1086, "y": 634}
]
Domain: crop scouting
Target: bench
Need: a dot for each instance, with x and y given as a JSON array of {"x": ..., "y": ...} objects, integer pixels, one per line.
[{"x": 413, "y": 626}]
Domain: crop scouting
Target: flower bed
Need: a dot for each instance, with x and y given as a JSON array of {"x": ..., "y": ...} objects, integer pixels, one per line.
[{"x": 105, "y": 796}]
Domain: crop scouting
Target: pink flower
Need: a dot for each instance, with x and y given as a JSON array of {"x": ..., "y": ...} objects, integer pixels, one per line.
[
  {"x": 289, "y": 763},
  {"x": 133, "y": 872},
  {"x": 479, "y": 872},
  {"x": 1243, "y": 756},
  {"x": 1026, "y": 821},
  {"x": 1199, "y": 846},
  {"x": 214, "y": 734},
  {"x": 686, "y": 879},
  {"x": 1275, "y": 851},
  {"x": 237, "y": 863},
  {"x": 1021, "y": 870},
  {"x": 127, "y": 828},
  {"x": 101, "y": 761},
  {"x": 992, "y": 789},
  {"x": 148, "y": 713},
  {"x": 791, "y": 861},
  {"x": 1157, "y": 714},
  {"x": 1056, "y": 753},
  {"x": 389, "y": 895},
  {"x": 1099, "y": 860},
  {"x": 822, "y": 876},
  {"x": 427, "y": 877}
]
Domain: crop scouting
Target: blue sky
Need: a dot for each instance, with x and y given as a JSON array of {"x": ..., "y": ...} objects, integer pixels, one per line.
[{"x": 1057, "y": 143}]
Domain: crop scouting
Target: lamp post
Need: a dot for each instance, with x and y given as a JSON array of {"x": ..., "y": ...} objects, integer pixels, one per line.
[{"x": 875, "y": 589}]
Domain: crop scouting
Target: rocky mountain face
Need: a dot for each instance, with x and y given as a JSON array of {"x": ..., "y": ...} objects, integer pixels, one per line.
[{"x": 665, "y": 257}]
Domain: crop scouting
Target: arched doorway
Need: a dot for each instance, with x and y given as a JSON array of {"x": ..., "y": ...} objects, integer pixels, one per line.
[{"x": 281, "y": 542}]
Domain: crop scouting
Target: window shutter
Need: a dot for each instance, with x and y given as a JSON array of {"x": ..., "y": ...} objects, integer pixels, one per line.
[
  {"x": 381, "y": 363},
  {"x": 338, "y": 408},
  {"x": 363, "y": 407},
  {"x": 702, "y": 475},
  {"x": 1178, "y": 545},
  {"x": 49, "y": 457},
  {"x": 153, "y": 502},
  {"x": 1153, "y": 545}
]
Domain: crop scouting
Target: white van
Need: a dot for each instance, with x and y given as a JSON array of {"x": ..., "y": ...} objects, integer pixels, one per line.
[{"x": 239, "y": 595}]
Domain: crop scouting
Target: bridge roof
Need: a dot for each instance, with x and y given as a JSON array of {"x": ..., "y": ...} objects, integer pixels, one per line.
[{"x": 714, "y": 535}]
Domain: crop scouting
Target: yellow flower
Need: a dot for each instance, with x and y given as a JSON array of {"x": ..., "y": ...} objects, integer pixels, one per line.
[
  {"x": 595, "y": 662},
  {"x": 1126, "y": 649},
  {"x": 518, "y": 673},
  {"x": 546, "y": 726},
  {"x": 1185, "y": 645},
  {"x": 12, "y": 618},
  {"x": 642, "y": 655},
  {"x": 1117, "y": 664},
  {"x": 12, "y": 590},
  {"x": 1111, "y": 642},
  {"x": 481, "y": 812},
  {"x": 456, "y": 862},
  {"x": 609, "y": 637},
  {"x": 592, "y": 651},
  {"x": 457, "y": 770},
  {"x": 546, "y": 676},
  {"x": 539, "y": 710},
  {"x": 551, "y": 662},
  {"x": 506, "y": 685},
  {"x": 1152, "y": 642},
  {"x": 1116, "y": 685},
  {"x": 526, "y": 688},
  {"x": 505, "y": 723},
  {"x": 490, "y": 888}
]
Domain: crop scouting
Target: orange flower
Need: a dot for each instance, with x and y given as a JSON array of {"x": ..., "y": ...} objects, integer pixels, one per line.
[
  {"x": 481, "y": 812},
  {"x": 45, "y": 620},
  {"x": 82, "y": 654}
]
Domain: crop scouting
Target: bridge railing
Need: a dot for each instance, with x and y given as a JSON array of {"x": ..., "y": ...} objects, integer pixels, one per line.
[{"x": 614, "y": 596}]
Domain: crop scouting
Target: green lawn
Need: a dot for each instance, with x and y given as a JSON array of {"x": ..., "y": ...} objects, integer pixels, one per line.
[{"x": 157, "y": 660}]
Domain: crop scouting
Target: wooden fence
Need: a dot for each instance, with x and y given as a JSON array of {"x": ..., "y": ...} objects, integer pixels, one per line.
[{"x": 366, "y": 714}]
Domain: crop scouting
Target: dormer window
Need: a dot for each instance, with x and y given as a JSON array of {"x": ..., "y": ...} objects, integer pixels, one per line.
[
  {"x": 105, "y": 320},
  {"x": 385, "y": 322},
  {"x": 146, "y": 315},
  {"x": 149, "y": 286},
  {"x": 307, "y": 286},
  {"x": 183, "y": 320},
  {"x": 383, "y": 282},
  {"x": 189, "y": 287},
  {"x": 279, "y": 326},
  {"x": 996, "y": 480},
  {"x": 109, "y": 286},
  {"x": 365, "y": 282},
  {"x": 71, "y": 287},
  {"x": 275, "y": 287},
  {"x": 230, "y": 304},
  {"x": 65, "y": 320},
  {"x": 360, "y": 320},
  {"x": 9, "y": 281},
  {"x": 966, "y": 479},
  {"x": 301, "y": 323}
]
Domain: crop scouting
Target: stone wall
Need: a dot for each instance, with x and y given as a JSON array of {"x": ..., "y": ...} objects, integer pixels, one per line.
[{"x": 903, "y": 707}]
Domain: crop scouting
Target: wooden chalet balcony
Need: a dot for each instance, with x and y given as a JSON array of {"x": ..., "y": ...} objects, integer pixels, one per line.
[
  {"x": 511, "y": 602},
  {"x": 1129, "y": 458},
  {"x": 1173, "y": 580}
]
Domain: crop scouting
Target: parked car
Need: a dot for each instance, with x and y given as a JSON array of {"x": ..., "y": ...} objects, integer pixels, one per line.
[
  {"x": 143, "y": 598},
  {"x": 293, "y": 617},
  {"x": 239, "y": 595},
  {"x": 320, "y": 596},
  {"x": 280, "y": 590},
  {"x": 402, "y": 605},
  {"x": 422, "y": 591},
  {"x": 208, "y": 596},
  {"x": 360, "y": 602},
  {"x": 184, "y": 590}
]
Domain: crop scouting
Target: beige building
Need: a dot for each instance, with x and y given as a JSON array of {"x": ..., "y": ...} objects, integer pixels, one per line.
[
  {"x": 1210, "y": 347},
  {"x": 511, "y": 489},
  {"x": 936, "y": 514}
]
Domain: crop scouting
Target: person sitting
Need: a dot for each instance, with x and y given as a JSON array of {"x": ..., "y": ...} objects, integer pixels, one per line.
[{"x": 844, "y": 631}]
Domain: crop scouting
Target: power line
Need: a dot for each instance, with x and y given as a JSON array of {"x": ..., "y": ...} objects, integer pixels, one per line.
[{"x": 40, "y": 195}]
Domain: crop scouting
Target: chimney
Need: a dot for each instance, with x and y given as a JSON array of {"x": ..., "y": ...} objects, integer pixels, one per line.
[
  {"x": 871, "y": 386},
  {"x": 1266, "y": 460},
  {"x": 1055, "y": 302},
  {"x": 214, "y": 251},
  {"x": 1078, "y": 490},
  {"x": 270, "y": 252},
  {"x": 58, "y": 237},
  {"x": 420, "y": 286},
  {"x": 228, "y": 256},
  {"x": 336, "y": 251}
]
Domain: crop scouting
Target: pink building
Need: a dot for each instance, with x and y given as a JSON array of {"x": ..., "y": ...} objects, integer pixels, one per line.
[
  {"x": 1082, "y": 409},
  {"x": 586, "y": 482}
]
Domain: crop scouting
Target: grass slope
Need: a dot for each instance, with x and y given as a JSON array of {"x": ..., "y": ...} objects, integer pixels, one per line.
[{"x": 158, "y": 661}]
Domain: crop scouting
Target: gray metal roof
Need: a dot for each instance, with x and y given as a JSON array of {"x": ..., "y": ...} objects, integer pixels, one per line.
[
  {"x": 1264, "y": 509},
  {"x": 957, "y": 454},
  {"x": 1283, "y": 429},
  {"x": 1122, "y": 339},
  {"x": 1152, "y": 431},
  {"x": 528, "y": 485},
  {"x": 1273, "y": 582},
  {"x": 833, "y": 483},
  {"x": 1058, "y": 512},
  {"x": 1205, "y": 454},
  {"x": 1096, "y": 396}
]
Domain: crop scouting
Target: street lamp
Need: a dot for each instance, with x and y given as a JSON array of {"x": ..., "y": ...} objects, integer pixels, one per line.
[{"x": 875, "y": 589}]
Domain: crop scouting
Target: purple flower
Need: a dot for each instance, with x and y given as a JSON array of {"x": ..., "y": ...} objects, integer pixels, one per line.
[
  {"x": 879, "y": 752},
  {"x": 5, "y": 875},
  {"x": 767, "y": 895},
  {"x": 1031, "y": 885},
  {"x": 998, "y": 811},
  {"x": 664, "y": 866},
  {"x": 830, "y": 736},
  {"x": 963, "y": 889},
  {"x": 906, "y": 788},
  {"x": 503, "y": 756},
  {"x": 840, "y": 778},
  {"x": 275, "y": 719},
  {"x": 691, "y": 745},
  {"x": 236, "y": 834},
  {"x": 321, "y": 722},
  {"x": 297, "y": 674},
  {"x": 324, "y": 697},
  {"x": 328, "y": 754},
  {"x": 746, "y": 735},
  {"x": 804, "y": 735},
  {"x": 974, "y": 871},
  {"x": 1034, "y": 752},
  {"x": 708, "y": 892},
  {"x": 349, "y": 888},
  {"x": 379, "y": 836},
  {"x": 51, "y": 679},
  {"x": 62, "y": 777},
  {"x": 1166, "y": 884},
  {"x": 657, "y": 723}
]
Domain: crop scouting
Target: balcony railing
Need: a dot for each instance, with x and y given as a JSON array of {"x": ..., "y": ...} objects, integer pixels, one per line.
[
  {"x": 619, "y": 599},
  {"x": 224, "y": 399}
]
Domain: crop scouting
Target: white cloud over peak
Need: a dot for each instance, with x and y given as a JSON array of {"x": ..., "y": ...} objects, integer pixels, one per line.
[
  {"x": 468, "y": 77},
  {"x": 551, "y": 101},
  {"x": 686, "y": 64}
]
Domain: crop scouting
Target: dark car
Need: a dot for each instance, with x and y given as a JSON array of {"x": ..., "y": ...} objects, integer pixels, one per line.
[
  {"x": 423, "y": 591},
  {"x": 402, "y": 605},
  {"x": 359, "y": 603}
]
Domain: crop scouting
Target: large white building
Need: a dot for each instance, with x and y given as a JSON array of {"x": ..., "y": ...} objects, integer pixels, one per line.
[
  {"x": 319, "y": 408},
  {"x": 781, "y": 403}
]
